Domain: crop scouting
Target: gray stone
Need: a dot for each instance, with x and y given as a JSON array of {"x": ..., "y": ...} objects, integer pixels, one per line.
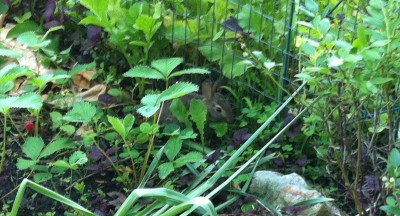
[{"x": 286, "y": 190}]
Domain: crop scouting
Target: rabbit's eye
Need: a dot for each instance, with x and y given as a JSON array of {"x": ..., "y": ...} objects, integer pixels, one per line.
[{"x": 218, "y": 109}]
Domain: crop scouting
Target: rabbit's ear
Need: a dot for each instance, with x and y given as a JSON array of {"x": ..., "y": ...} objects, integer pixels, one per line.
[
  {"x": 207, "y": 89},
  {"x": 216, "y": 85}
]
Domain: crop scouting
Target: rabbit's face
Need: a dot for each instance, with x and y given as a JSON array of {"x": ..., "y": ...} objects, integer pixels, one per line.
[{"x": 219, "y": 109}]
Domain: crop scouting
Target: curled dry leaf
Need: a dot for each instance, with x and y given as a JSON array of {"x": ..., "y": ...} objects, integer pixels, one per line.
[
  {"x": 82, "y": 79},
  {"x": 29, "y": 58},
  {"x": 90, "y": 95}
]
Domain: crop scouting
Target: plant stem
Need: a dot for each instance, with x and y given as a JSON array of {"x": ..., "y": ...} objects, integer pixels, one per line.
[
  {"x": 108, "y": 158},
  {"x": 3, "y": 152},
  {"x": 128, "y": 146}
]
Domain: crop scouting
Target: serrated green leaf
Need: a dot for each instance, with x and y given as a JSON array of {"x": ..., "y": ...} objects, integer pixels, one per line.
[
  {"x": 56, "y": 118},
  {"x": 144, "y": 72},
  {"x": 148, "y": 110},
  {"x": 31, "y": 40},
  {"x": 117, "y": 125},
  {"x": 148, "y": 25},
  {"x": 78, "y": 158},
  {"x": 10, "y": 53},
  {"x": 165, "y": 169},
  {"x": 188, "y": 158},
  {"x": 32, "y": 147},
  {"x": 150, "y": 100},
  {"x": 23, "y": 164},
  {"x": 190, "y": 71},
  {"x": 12, "y": 72},
  {"x": 172, "y": 147},
  {"x": 57, "y": 145},
  {"x": 81, "y": 112},
  {"x": 166, "y": 66},
  {"x": 128, "y": 122},
  {"x": 177, "y": 90},
  {"x": 198, "y": 113}
]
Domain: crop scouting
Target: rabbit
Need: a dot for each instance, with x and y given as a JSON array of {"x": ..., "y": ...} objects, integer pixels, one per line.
[{"x": 218, "y": 107}]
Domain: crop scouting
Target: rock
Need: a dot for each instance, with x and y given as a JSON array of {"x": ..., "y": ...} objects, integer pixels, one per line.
[{"x": 286, "y": 190}]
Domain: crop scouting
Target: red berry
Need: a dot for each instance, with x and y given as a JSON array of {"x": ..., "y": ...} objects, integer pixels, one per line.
[{"x": 29, "y": 126}]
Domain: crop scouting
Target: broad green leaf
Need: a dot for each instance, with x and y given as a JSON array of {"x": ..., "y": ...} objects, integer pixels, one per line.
[
  {"x": 394, "y": 158},
  {"x": 378, "y": 4},
  {"x": 3, "y": 8},
  {"x": 42, "y": 177},
  {"x": 172, "y": 147},
  {"x": 24, "y": 164},
  {"x": 32, "y": 147},
  {"x": 393, "y": 210},
  {"x": 93, "y": 20},
  {"x": 371, "y": 54},
  {"x": 62, "y": 163},
  {"x": 198, "y": 113},
  {"x": 57, "y": 145},
  {"x": 24, "y": 27},
  {"x": 379, "y": 43},
  {"x": 312, "y": 6},
  {"x": 381, "y": 80},
  {"x": 212, "y": 51},
  {"x": 31, "y": 40},
  {"x": 165, "y": 169},
  {"x": 324, "y": 26},
  {"x": 10, "y": 53},
  {"x": 68, "y": 129},
  {"x": 118, "y": 126},
  {"x": 308, "y": 49},
  {"x": 188, "y": 158},
  {"x": 334, "y": 61},
  {"x": 179, "y": 111},
  {"x": 81, "y": 112},
  {"x": 233, "y": 66},
  {"x": 190, "y": 71},
  {"x": 98, "y": 7},
  {"x": 166, "y": 66},
  {"x": 177, "y": 90},
  {"x": 220, "y": 128},
  {"x": 56, "y": 118},
  {"x": 144, "y": 72}
]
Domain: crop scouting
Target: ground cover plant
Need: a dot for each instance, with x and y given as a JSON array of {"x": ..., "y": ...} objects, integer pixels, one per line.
[{"x": 113, "y": 107}]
